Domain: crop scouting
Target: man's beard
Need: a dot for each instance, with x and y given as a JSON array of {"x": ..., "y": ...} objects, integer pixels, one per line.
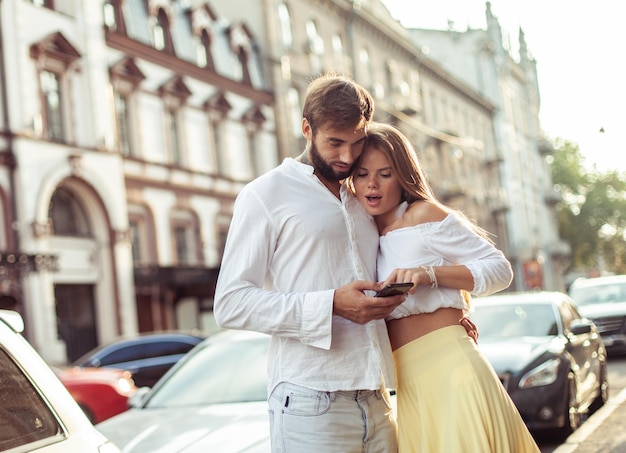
[{"x": 325, "y": 170}]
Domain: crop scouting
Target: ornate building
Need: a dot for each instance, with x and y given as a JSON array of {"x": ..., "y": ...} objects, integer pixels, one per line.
[
  {"x": 486, "y": 61},
  {"x": 127, "y": 129}
]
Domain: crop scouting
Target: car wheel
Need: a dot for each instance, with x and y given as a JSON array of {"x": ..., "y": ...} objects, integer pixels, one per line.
[
  {"x": 572, "y": 413},
  {"x": 603, "y": 391}
]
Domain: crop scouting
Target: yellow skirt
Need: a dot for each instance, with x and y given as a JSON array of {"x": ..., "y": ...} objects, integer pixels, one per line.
[{"x": 451, "y": 401}]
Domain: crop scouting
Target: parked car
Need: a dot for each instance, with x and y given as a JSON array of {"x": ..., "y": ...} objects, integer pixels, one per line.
[
  {"x": 146, "y": 356},
  {"x": 100, "y": 392},
  {"x": 37, "y": 413},
  {"x": 603, "y": 300},
  {"x": 214, "y": 399},
  {"x": 549, "y": 358}
]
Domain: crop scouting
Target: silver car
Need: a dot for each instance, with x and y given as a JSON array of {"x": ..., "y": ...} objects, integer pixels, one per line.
[
  {"x": 214, "y": 399},
  {"x": 603, "y": 300}
]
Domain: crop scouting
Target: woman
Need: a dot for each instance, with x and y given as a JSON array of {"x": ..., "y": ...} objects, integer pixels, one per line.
[{"x": 449, "y": 398}]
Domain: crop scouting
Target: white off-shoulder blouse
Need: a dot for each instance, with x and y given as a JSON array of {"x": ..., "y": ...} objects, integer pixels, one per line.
[{"x": 447, "y": 242}]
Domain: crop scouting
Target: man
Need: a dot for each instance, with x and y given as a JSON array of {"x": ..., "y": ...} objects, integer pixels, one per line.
[{"x": 300, "y": 265}]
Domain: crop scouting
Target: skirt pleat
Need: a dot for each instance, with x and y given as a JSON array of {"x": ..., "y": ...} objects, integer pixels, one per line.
[{"x": 450, "y": 400}]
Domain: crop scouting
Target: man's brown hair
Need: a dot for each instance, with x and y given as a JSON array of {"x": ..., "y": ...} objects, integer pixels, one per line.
[{"x": 338, "y": 101}]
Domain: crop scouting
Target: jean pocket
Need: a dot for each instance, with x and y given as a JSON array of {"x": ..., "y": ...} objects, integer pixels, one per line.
[{"x": 305, "y": 402}]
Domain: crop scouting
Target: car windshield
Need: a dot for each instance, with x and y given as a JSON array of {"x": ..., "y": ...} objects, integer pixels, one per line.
[
  {"x": 514, "y": 320},
  {"x": 599, "y": 294},
  {"x": 225, "y": 371}
]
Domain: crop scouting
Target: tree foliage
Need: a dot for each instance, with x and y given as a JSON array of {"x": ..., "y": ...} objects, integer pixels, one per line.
[{"x": 592, "y": 215}]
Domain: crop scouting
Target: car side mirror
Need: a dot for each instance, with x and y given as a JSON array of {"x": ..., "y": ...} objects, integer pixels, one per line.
[
  {"x": 137, "y": 399},
  {"x": 580, "y": 326}
]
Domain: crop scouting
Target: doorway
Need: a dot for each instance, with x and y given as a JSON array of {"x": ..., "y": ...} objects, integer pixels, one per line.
[{"x": 76, "y": 319}]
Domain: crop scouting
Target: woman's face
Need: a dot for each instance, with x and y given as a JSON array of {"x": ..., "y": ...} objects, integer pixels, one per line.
[{"x": 376, "y": 185}]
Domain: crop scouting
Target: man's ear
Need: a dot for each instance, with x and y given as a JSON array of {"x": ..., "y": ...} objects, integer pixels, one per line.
[{"x": 306, "y": 129}]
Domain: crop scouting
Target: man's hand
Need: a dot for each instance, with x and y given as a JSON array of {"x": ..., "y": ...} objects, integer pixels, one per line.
[
  {"x": 350, "y": 302},
  {"x": 470, "y": 327}
]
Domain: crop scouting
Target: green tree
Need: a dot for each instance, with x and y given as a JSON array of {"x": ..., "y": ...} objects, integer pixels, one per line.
[{"x": 592, "y": 215}]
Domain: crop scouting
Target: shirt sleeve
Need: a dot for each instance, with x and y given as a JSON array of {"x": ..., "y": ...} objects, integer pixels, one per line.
[
  {"x": 244, "y": 301},
  {"x": 459, "y": 244}
]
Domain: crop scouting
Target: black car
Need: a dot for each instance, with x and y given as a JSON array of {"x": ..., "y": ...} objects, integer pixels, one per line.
[
  {"x": 146, "y": 356},
  {"x": 550, "y": 359},
  {"x": 603, "y": 300}
]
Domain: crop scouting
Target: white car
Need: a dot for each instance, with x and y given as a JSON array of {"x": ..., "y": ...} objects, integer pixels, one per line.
[
  {"x": 213, "y": 400},
  {"x": 603, "y": 300},
  {"x": 37, "y": 413}
]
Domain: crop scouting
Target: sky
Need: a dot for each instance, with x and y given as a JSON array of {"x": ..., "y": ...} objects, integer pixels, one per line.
[{"x": 579, "y": 52}]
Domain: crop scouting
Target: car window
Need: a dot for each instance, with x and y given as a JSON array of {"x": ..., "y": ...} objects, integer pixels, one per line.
[
  {"x": 223, "y": 372},
  {"x": 518, "y": 320},
  {"x": 24, "y": 415},
  {"x": 162, "y": 348},
  {"x": 139, "y": 351},
  {"x": 599, "y": 294}
]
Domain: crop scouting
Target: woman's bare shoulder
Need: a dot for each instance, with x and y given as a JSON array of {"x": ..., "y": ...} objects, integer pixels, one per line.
[{"x": 424, "y": 212}]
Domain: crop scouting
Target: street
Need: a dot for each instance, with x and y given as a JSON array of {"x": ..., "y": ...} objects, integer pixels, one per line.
[{"x": 617, "y": 382}]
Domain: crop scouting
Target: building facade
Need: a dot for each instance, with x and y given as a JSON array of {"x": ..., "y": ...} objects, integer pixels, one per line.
[
  {"x": 450, "y": 123},
  {"x": 128, "y": 128},
  {"x": 486, "y": 61}
]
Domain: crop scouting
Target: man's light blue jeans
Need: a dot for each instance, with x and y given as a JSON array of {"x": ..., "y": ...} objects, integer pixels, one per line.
[{"x": 304, "y": 420}]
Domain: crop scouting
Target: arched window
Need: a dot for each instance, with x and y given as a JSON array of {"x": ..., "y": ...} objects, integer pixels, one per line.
[
  {"x": 67, "y": 215},
  {"x": 204, "y": 54},
  {"x": 161, "y": 32}
]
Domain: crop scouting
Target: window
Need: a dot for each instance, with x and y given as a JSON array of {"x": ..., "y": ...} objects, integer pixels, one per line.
[
  {"x": 215, "y": 126},
  {"x": 54, "y": 57},
  {"x": 173, "y": 135},
  {"x": 161, "y": 32},
  {"x": 339, "y": 52},
  {"x": 25, "y": 416},
  {"x": 184, "y": 232},
  {"x": 51, "y": 90},
  {"x": 182, "y": 238},
  {"x": 285, "y": 26},
  {"x": 295, "y": 111},
  {"x": 316, "y": 47},
  {"x": 68, "y": 215},
  {"x": 203, "y": 51},
  {"x": 217, "y": 107},
  {"x": 366, "y": 68},
  {"x": 141, "y": 235},
  {"x": 241, "y": 45},
  {"x": 254, "y": 119},
  {"x": 125, "y": 79},
  {"x": 123, "y": 123},
  {"x": 113, "y": 17},
  {"x": 174, "y": 93}
]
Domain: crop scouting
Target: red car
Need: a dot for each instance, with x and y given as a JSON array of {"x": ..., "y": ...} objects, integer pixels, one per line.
[{"x": 100, "y": 392}]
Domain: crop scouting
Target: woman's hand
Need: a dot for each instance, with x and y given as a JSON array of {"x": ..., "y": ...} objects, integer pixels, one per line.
[
  {"x": 418, "y": 276},
  {"x": 470, "y": 327}
]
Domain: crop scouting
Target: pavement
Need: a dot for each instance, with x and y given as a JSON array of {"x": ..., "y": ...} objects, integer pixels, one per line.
[{"x": 603, "y": 432}]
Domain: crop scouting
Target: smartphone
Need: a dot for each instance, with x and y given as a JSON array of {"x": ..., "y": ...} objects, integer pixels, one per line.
[{"x": 393, "y": 289}]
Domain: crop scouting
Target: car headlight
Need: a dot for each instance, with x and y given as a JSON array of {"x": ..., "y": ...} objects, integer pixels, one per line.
[{"x": 544, "y": 374}]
